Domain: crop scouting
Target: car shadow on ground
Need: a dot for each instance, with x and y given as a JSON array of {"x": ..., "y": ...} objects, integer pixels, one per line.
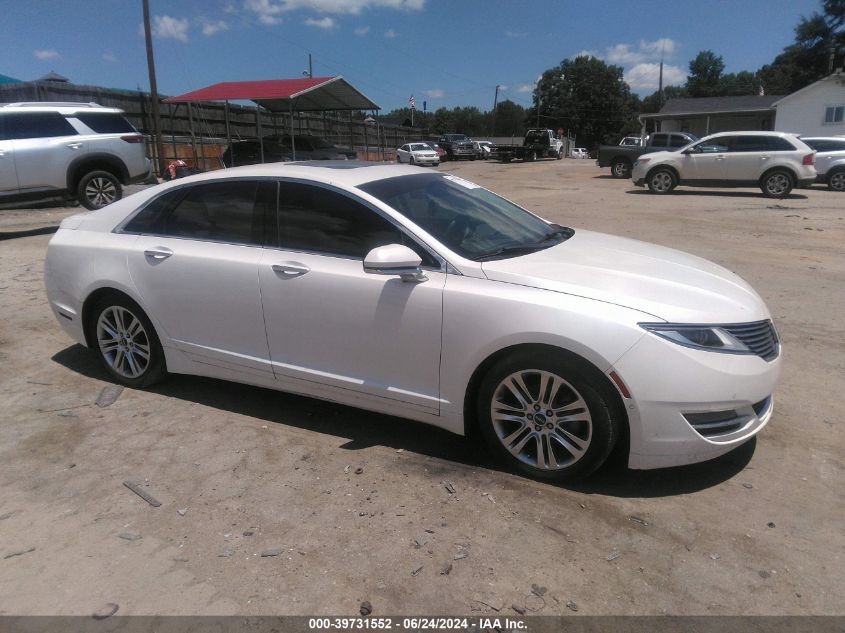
[
  {"x": 365, "y": 429},
  {"x": 724, "y": 194}
]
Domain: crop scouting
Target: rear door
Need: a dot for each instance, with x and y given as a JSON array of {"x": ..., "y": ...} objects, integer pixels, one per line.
[
  {"x": 8, "y": 176},
  {"x": 44, "y": 144},
  {"x": 195, "y": 267},
  {"x": 748, "y": 157}
]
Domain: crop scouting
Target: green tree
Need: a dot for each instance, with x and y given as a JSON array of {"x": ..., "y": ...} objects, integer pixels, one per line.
[
  {"x": 586, "y": 97},
  {"x": 807, "y": 59},
  {"x": 654, "y": 102},
  {"x": 510, "y": 119},
  {"x": 705, "y": 73}
]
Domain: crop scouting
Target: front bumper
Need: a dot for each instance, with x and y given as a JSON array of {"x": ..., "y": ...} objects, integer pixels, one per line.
[{"x": 726, "y": 396}]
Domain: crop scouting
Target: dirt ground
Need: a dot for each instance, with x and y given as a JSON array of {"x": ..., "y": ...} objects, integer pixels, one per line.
[{"x": 241, "y": 470}]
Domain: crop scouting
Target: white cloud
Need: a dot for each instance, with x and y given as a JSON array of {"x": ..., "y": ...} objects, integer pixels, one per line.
[
  {"x": 622, "y": 54},
  {"x": 434, "y": 94},
  {"x": 322, "y": 23},
  {"x": 646, "y": 76},
  {"x": 45, "y": 54},
  {"x": 168, "y": 28},
  {"x": 644, "y": 52},
  {"x": 515, "y": 34},
  {"x": 210, "y": 28},
  {"x": 390, "y": 34},
  {"x": 523, "y": 88},
  {"x": 109, "y": 56},
  {"x": 268, "y": 11},
  {"x": 361, "y": 31}
]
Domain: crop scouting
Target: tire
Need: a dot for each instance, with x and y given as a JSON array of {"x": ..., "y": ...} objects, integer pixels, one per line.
[
  {"x": 620, "y": 168},
  {"x": 777, "y": 183},
  {"x": 836, "y": 180},
  {"x": 559, "y": 154},
  {"x": 472, "y": 157},
  {"x": 118, "y": 325},
  {"x": 411, "y": 161},
  {"x": 661, "y": 181},
  {"x": 571, "y": 448},
  {"x": 98, "y": 189},
  {"x": 531, "y": 156}
]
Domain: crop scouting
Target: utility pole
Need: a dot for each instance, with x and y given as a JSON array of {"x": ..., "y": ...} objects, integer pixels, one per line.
[
  {"x": 495, "y": 100},
  {"x": 151, "y": 67},
  {"x": 310, "y": 68},
  {"x": 539, "y": 103}
]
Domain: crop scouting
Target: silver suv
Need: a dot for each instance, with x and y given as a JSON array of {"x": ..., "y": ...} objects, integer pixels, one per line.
[
  {"x": 80, "y": 150},
  {"x": 830, "y": 160}
]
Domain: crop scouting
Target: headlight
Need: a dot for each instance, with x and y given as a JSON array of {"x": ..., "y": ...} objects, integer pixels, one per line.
[{"x": 706, "y": 337}]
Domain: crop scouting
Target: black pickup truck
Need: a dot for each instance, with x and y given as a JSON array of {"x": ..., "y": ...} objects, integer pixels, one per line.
[
  {"x": 457, "y": 146},
  {"x": 620, "y": 158}
]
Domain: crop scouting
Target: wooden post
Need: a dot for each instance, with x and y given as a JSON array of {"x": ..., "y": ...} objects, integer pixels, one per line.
[
  {"x": 173, "y": 129},
  {"x": 228, "y": 134},
  {"x": 258, "y": 132},
  {"x": 193, "y": 136},
  {"x": 151, "y": 68}
]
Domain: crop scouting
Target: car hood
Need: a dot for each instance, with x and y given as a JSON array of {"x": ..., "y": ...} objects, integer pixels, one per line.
[{"x": 663, "y": 282}]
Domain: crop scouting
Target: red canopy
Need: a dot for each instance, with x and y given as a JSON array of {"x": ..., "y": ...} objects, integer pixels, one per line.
[{"x": 277, "y": 95}]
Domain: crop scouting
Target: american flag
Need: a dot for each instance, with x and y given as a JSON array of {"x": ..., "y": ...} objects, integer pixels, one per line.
[{"x": 413, "y": 103}]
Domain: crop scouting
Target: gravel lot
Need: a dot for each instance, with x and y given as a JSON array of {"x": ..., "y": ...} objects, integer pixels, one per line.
[{"x": 242, "y": 471}]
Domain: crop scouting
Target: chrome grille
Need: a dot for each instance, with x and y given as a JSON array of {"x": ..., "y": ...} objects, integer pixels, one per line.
[{"x": 760, "y": 337}]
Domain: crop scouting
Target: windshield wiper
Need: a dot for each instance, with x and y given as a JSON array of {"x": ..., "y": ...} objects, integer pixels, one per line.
[{"x": 558, "y": 233}]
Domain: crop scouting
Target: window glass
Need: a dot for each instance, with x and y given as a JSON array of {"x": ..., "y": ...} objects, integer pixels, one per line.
[
  {"x": 779, "y": 144},
  {"x": 834, "y": 114},
  {"x": 713, "y": 146},
  {"x": 749, "y": 144},
  {"x": 319, "y": 220},
  {"x": 470, "y": 220},
  {"x": 678, "y": 141},
  {"x": 106, "y": 122},
  {"x": 819, "y": 145},
  {"x": 222, "y": 212},
  {"x": 37, "y": 125},
  {"x": 660, "y": 140},
  {"x": 147, "y": 220}
]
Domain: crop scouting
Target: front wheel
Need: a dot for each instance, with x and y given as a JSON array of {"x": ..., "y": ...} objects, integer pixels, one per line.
[
  {"x": 411, "y": 160},
  {"x": 620, "y": 169},
  {"x": 98, "y": 189},
  {"x": 559, "y": 154},
  {"x": 550, "y": 417},
  {"x": 662, "y": 181},
  {"x": 126, "y": 342},
  {"x": 836, "y": 182},
  {"x": 777, "y": 184}
]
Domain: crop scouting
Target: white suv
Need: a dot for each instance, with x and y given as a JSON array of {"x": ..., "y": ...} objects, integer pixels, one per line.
[
  {"x": 774, "y": 161},
  {"x": 80, "y": 150}
]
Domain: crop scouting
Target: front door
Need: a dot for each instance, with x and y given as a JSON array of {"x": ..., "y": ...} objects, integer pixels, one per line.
[
  {"x": 328, "y": 322},
  {"x": 705, "y": 162}
]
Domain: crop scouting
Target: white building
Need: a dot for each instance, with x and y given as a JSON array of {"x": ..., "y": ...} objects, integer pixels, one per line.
[{"x": 816, "y": 110}]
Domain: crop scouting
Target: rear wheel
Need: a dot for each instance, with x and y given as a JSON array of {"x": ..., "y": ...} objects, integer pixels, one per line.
[
  {"x": 661, "y": 181},
  {"x": 98, "y": 189},
  {"x": 836, "y": 181},
  {"x": 126, "y": 342},
  {"x": 559, "y": 154},
  {"x": 777, "y": 184},
  {"x": 547, "y": 416},
  {"x": 620, "y": 169}
]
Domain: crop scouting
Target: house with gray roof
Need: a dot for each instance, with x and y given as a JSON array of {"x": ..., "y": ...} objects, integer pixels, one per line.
[{"x": 708, "y": 115}]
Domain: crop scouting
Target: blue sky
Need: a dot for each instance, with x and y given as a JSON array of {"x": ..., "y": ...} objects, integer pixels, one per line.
[{"x": 444, "y": 52}]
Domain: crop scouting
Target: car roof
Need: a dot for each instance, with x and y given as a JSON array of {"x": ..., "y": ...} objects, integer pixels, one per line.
[
  {"x": 348, "y": 173},
  {"x": 64, "y": 108}
]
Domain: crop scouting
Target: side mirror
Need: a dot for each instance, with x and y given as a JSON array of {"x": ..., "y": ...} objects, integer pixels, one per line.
[
  {"x": 691, "y": 150},
  {"x": 395, "y": 259}
]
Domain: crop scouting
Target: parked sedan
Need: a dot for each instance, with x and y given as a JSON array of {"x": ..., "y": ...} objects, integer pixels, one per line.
[
  {"x": 419, "y": 294},
  {"x": 579, "y": 152},
  {"x": 417, "y": 154},
  {"x": 830, "y": 160}
]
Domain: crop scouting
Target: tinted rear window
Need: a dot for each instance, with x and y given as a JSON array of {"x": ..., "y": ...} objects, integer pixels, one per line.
[
  {"x": 37, "y": 125},
  {"x": 106, "y": 123},
  {"x": 779, "y": 144}
]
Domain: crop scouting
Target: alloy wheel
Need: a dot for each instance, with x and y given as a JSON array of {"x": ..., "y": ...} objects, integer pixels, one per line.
[
  {"x": 123, "y": 342},
  {"x": 778, "y": 184},
  {"x": 541, "y": 419},
  {"x": 101, "y": 191},
  {"x": 661, "y": 182},
  {"x": 837, "y": 181}
]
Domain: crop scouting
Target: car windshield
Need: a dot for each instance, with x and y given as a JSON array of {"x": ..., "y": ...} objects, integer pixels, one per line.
[
  {"x": 456, "y": 137},
  {"x": 420, "y": 147},
  {"x": 473, "y": 222}
]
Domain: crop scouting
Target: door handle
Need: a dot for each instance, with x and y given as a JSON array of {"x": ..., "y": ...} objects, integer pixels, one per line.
[
  {"x": 74, "y": 145},
  {"x": 290, "y": 269},
  {"x": 159, "y": 253}
]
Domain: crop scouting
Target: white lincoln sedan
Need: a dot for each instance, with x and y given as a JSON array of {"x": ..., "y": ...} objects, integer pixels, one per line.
[{"x": 422, "y": 295}]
